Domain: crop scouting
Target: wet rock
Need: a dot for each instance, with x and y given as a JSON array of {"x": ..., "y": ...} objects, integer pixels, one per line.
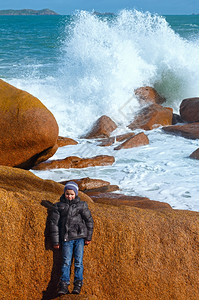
[
  {"x": 105, "y": 189},
  {"x": 151, "y": 117},
  {"x": 107, "y": 142},
  {"x": 143, "y": 248},
  {"x": 148, "y": 94},
  {"x": 189, "y": 110},
  {"x": 28, "y": 130},
  {"x": 189, "y": 131},
  {"x": 137, "y": 140},
  {"x": 89, "y": 185},
  {"x": 136, "y": 201},
  {"x": 102, "y": 128},
  {"x": 176, "y": 119},
  {"x": 117, "y": 138},
  {"x": 76, "y": 162},
  {"x": 64, "y": 141},
  {"x": 195, "y": 154}
]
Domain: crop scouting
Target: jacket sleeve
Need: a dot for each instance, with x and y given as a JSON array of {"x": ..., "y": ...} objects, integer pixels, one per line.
[
  {"x": 87, "y": 217},
  {"x": 54, "y": 224}
]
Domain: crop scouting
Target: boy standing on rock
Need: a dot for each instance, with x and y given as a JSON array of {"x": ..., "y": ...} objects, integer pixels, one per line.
[{"x": 71, "y": 227}]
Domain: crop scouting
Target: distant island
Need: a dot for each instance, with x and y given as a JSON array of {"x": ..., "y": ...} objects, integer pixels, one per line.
[
  {"x": 103, "y": 14},
  {"x": 27, "y": 12}
]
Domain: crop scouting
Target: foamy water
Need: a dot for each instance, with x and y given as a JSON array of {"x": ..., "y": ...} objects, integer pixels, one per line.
[{"x": 99, "y": 63}]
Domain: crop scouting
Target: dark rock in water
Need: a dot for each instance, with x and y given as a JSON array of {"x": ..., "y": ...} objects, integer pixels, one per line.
[
  {"x": 195, "y": 154},
  {"x": 176, "y": 119},
  {"x": 189, "y": 131},
  {"x": 189, "y": 110},
  {"x": 117, "y": 138}
]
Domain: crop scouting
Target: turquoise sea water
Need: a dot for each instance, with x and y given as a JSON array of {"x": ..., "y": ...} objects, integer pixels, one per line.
[
  {"x": 83, "y": 66},
  {"x": 35, "y": 41}
]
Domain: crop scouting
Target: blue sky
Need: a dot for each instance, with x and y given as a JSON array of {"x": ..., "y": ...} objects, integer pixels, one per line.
[{"x": 168, "y": 7}]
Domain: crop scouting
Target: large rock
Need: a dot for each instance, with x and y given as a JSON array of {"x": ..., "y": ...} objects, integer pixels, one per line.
[
  {"x": 76, "y": 162},
  {"x": 90, "y": 185},
  {"x": 189, "y": 131},
  {"x": 137, "y": 140},
  {"x": 148, "y": 94},
  {"x": 101, "y": 128},
  {"x": 28, "y": 130},
  {"x": 140, "y": 253},
  {"x": 64, "y": 141},
  {"x": 136, "y": 201},
  {"x": 189, "y": 110},
  {"x": 151, "y": 117}
]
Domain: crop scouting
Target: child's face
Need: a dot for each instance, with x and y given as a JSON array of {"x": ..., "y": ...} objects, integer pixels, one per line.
[{"x": 70, "y": 195}]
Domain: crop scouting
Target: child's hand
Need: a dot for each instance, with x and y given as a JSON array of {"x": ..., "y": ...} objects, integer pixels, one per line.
[
  {"x": 87, "y": 242},
  {"x": 56, "y": 246}
]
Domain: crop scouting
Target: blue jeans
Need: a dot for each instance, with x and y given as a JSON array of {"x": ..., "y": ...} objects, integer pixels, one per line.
[{"x": 69, "y": 248}]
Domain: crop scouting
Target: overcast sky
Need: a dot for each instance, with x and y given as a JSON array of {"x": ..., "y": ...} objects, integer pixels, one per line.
[{"x": 168, "y": 7}]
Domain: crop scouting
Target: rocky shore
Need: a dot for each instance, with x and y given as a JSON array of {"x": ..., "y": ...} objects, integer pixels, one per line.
[
  {"x": 142, "y": 248},
  {"x": 137, "y": 253}
]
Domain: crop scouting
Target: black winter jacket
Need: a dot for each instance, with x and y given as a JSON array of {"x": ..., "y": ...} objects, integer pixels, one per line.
[{"x": 70, "y": 220}]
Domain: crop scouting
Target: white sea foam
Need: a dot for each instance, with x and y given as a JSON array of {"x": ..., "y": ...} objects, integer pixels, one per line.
[{"x": 101, "y": 63}]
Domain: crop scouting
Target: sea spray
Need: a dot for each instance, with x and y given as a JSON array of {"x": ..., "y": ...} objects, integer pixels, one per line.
[
  {"x": 101, "y": 60},
  {"x": 92, "y": 68},
  {"x": 104, "y": 60}
]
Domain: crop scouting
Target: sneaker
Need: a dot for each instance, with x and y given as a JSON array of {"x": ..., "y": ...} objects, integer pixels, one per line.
[
  {"x": 77, "y": 287},
  {"x": 63, "y": 288}
]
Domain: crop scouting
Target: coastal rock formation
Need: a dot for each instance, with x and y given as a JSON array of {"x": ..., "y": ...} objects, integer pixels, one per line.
[
  {"x": 137, "y": 140},
  {"x": 28, "y": 130},
  {"x": 42, "y": 157},
  {"x": 117, "y": 138},
  {"x": 76, "y": 162},
  {"x": 148, "y": 94},
  {"x": 151, "y": 117},
  {"x": 64, "y": 141},
  {"x": 195, "y": 154},
  {"x": 135, "y": 201},
  {"x": 189, "y": 110},
  {"x": 89, "y": 185},
  {"x": 177, "y": 119},
  {"x": 101, "y": 128},
  {"x": 140, "y": 253},
  {"x": 189, "y": 131}
]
